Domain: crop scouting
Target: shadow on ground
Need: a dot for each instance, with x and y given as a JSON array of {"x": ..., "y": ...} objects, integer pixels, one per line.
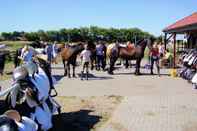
[
  {"x": 58, "y": 77},
  {"x": 93, "y": 77},
  {"x": 75, "y": 121},
  {"x": 142, "y": 74},
  {"x": 72, "y": 121},
  {"x": 3, "y": 107}
]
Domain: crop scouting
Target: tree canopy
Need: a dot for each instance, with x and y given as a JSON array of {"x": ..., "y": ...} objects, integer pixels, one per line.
[{"x": 92, "y": 33}]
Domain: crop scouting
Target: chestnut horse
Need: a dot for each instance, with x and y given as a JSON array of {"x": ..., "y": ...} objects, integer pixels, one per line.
[
  {"x": 69, "y": 55},
  {"x": 114, "y": 51}
]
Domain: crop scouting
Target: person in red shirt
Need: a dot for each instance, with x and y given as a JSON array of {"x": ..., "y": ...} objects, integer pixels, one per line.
[{"x": 154, "y": 57}]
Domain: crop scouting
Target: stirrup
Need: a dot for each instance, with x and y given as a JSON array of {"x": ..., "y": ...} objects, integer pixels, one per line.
[{"x": 53, "y": 95}]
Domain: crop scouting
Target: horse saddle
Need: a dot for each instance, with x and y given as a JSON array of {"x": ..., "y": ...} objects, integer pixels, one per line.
[
  {"x": 130, "y": 47},
  {"x": 129, "y": 50}
]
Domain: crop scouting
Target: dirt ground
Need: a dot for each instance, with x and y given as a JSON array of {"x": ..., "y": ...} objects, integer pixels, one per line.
[
  {"x": 81, "y": 113},
  {"x": 85, "y": 113}
]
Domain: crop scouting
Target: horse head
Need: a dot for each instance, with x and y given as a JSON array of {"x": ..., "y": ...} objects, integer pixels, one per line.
[{"x": 149, "y": 43}]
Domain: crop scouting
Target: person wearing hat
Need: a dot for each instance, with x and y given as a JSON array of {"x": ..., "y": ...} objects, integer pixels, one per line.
[
  {"x": 11, "y": 120},
  {"x": 154, "y": 58}
]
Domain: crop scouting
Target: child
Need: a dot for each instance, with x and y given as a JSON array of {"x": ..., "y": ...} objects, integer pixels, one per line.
[{"x": 85, "y": 56}]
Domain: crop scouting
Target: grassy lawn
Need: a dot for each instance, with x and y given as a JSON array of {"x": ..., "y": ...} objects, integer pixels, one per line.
[{"x": 13, "y": 45}]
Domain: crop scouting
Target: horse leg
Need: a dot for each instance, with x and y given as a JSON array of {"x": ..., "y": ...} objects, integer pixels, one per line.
[
  {"x": 126, "y": 63},
  {"x": 152, "y": 65},
  {"x": 65, "y": 70},
  {"x": 136, "y": 67},
  {"x": 92, "y": 63},
  {"x": 68, "y": 69},
  {"x": 103, "y": 63},
  {"x": 158, "y": 68},
  {"x": 74, "y": 70},
  {"x": 138, "y": 62}
]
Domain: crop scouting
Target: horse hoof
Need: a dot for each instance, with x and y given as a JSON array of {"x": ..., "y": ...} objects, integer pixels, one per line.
[
  {"x": 111, "y": 73},
  {"x": 74, "y": 76},
  {"x": 137, "y": 74}
]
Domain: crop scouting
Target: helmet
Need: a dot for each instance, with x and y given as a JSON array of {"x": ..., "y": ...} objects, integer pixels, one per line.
[
  {"x": 7, "y": 124},
  {"x": 20, "y": 73},
  {"x": 31, "y": 67}
]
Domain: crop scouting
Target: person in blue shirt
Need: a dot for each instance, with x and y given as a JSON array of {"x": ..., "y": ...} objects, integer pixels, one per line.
[
  {"x": 100, "y": 53},
  {"x": 49, "y": 52}
]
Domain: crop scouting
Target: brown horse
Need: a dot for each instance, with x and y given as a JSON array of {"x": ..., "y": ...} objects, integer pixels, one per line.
[
  {"x": 133, "y": 53},
  {"x": 69, "y": 55}
]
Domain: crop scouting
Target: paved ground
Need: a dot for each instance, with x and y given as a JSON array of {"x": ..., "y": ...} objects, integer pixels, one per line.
[{"x": 151, "y": 103}]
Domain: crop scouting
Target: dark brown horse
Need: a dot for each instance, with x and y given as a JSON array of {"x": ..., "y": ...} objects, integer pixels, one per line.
[{"x": 114, "y": 51}]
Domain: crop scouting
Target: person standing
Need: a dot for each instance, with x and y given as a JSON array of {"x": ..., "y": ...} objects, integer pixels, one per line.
[
  {"x": 27, "y": 54},
  {"x": 17, "y": 61},
  {"x": 154, "y": 57},
  {"x": 161, "y": 50},
  {"x": 2, "y": 62},
  {"x": 48, "y": 51},
  {"x": 85, "y": 56},
  {"x": 54, "y": 52},
  {"x": 100, "y": 56}
]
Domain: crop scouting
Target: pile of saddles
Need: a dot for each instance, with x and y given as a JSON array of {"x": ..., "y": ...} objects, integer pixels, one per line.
[
  {"x": 189, "y": 66},
  {"x": 29, "y": 101}
]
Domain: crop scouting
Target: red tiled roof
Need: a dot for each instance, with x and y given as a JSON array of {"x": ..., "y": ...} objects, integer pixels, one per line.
[{"x": 187, "y": 21}]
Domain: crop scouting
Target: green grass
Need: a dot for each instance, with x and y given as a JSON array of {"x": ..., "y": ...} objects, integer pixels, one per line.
[
  {"x": 9, "y": 66},
  {"x": 13, "y": 45}
]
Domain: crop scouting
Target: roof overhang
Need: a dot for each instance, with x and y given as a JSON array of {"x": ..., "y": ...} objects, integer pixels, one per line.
[{"x": 182, "y": 30}]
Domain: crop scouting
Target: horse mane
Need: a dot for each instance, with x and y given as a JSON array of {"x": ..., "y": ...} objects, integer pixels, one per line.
[
  {"x": 139, "y": 42},
  {"x": 75, "y": 45}
]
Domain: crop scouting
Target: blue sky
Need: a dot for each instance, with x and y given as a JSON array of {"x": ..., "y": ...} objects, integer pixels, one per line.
[{"x": 148, "y": 15}]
